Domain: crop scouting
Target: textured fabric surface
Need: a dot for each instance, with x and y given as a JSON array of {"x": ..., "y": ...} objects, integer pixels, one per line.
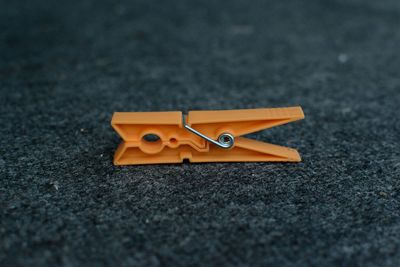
[{"x": 66, "y": 66}]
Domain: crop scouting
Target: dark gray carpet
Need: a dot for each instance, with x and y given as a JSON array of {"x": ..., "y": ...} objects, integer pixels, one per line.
[{"x": 66, "y": 66}]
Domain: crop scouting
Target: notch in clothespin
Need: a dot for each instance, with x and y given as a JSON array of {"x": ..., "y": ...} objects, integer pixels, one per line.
[{"x": 201, "y": 136}]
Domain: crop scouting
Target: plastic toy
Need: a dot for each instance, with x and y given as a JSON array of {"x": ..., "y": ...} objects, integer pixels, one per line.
[{"x": 201, "y": 136}]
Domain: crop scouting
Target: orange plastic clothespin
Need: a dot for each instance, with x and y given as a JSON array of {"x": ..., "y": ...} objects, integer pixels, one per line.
[{"x": 201, "y": 136}]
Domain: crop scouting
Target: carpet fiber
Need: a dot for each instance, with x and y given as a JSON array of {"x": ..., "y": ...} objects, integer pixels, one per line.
[{"x": 66, "y": 66}]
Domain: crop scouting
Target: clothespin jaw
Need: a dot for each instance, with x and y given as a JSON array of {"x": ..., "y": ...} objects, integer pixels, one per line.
[{"x": 201, "y": 136}]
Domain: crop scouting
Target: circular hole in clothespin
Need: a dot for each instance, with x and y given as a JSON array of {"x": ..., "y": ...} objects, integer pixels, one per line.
[
  {"x": 173, "y": 142},
  {"x": 151, "y": 137},
  {"x": 151, "y": 143}
]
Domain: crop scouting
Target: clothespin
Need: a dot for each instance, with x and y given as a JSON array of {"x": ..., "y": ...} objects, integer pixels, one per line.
[{"x": 200, "y": 136}]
